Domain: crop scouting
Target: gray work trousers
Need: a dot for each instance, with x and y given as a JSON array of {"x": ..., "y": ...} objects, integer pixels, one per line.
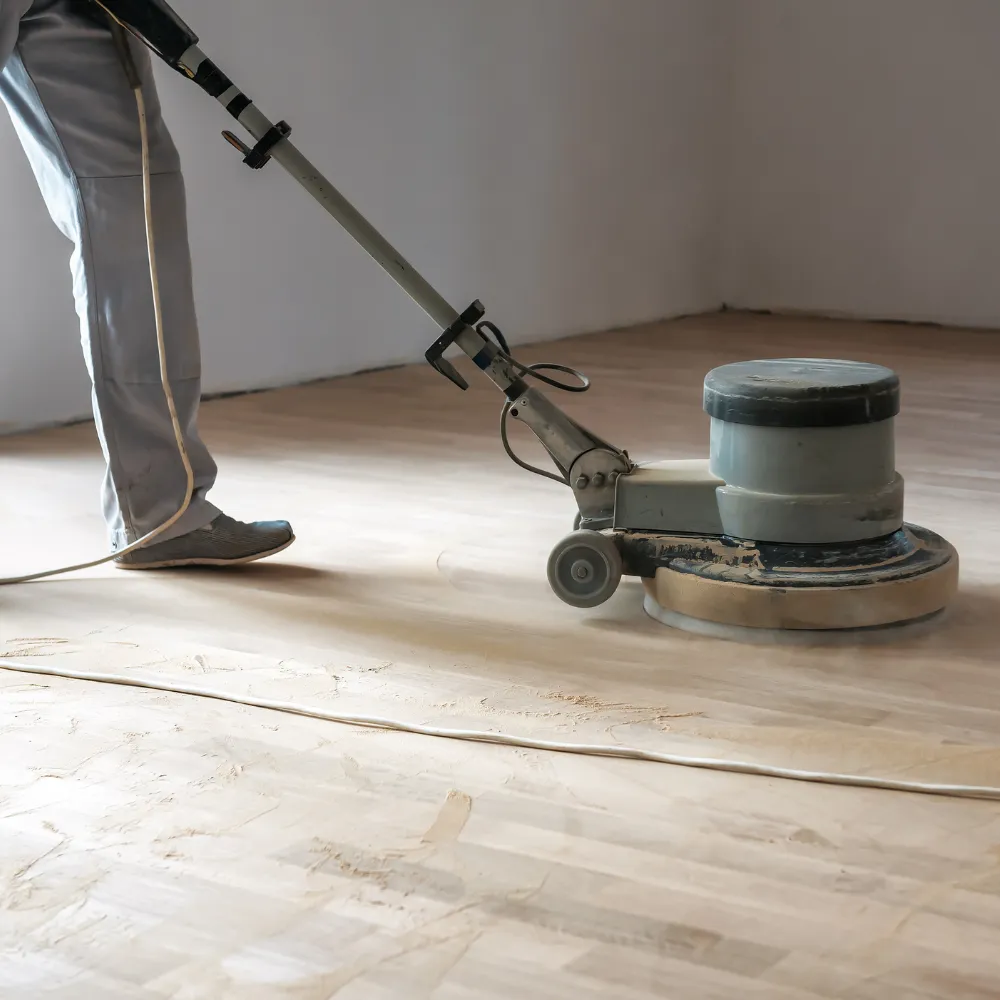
[{"x": 75, "y": 114}]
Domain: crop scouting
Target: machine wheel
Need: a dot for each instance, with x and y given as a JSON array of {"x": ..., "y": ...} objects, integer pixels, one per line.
[{"x": 585, "y": 569}]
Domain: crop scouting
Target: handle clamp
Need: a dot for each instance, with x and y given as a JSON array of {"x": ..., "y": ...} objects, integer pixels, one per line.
[
  {"x": 435, "y": 353},
  {"x": 260, "y": 154}
]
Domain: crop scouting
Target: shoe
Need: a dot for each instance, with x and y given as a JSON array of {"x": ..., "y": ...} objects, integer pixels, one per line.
[{"x": 224, "y": 542}]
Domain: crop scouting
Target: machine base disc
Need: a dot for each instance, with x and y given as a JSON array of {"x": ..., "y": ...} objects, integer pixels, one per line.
[
  {"x": 907, "y": 577},
  {"x": 872, "y": 635}
]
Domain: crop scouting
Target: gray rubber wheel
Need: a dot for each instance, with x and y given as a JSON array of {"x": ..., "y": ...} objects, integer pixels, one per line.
[{"x": 585, "y": 569}]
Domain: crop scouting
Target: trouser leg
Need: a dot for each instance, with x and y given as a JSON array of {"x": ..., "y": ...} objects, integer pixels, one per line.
[{"x": 75, "y": 114}]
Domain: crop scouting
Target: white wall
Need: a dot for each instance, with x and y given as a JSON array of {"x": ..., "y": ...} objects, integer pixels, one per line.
[
  {"x": 864, "y": 158},
  {"x": 552, "y": 157}
]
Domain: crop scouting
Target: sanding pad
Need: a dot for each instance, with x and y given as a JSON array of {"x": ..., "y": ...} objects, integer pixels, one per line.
[
  {"x": 908, "y": 577},
  {"x": 874, "y": 635}
]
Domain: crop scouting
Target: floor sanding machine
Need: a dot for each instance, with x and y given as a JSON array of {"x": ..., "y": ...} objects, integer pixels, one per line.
[{"x": 794, "y": 522}]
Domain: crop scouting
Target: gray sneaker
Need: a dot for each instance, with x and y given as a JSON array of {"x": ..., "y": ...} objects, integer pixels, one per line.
[{"x": 224, "y": 542}]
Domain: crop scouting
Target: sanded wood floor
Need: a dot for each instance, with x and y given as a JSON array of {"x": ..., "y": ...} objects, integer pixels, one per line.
[{"x": 156, "y": 846}]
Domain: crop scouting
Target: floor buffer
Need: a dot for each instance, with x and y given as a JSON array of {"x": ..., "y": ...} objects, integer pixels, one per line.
[{"x": 795, "y": 520}]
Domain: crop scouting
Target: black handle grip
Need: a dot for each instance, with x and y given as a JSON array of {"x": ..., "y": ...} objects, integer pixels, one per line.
[{"x": 155, "y": 23}]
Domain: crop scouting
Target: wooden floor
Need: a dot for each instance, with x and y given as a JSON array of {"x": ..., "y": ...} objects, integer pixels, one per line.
[{"x": 156, "y": 846}]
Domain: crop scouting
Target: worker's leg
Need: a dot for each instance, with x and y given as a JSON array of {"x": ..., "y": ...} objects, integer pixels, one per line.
[{"x": 75, "y": 114}]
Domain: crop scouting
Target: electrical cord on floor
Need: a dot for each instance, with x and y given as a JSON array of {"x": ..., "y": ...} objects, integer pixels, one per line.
[
  {"x": 520, "y": 742},
  {"x": 161, "y": 350}
]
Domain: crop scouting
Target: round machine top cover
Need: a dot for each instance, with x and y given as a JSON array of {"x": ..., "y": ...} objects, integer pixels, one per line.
[{"x": 802, "y": 392}]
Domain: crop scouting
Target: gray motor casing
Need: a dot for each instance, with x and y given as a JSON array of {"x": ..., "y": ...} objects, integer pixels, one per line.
[
  {"x": 805, "y": 449},
  {"x": 794, "y": 522}
]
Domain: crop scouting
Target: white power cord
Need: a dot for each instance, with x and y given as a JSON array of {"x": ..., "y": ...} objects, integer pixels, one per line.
[
  {"x": 521, "y": 742},
  {"x": 164, "y": 377},
  {"x": 374, "y": 722}
]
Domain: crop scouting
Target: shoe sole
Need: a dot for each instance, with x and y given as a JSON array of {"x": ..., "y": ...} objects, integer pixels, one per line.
[{"x": 202, "y": 561}]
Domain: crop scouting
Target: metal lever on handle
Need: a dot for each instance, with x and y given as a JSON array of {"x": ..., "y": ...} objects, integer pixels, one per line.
[{"x": 435, "y": 353}]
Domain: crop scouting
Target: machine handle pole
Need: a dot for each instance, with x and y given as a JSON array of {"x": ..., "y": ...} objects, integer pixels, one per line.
[
  {"x": 157, "y": 25},
  {"x": 563, "y": 438},
  {"x": 193, "y": 62},
  {"x": 379, "y": 248},
  {"x": 273, "y": 143}
]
